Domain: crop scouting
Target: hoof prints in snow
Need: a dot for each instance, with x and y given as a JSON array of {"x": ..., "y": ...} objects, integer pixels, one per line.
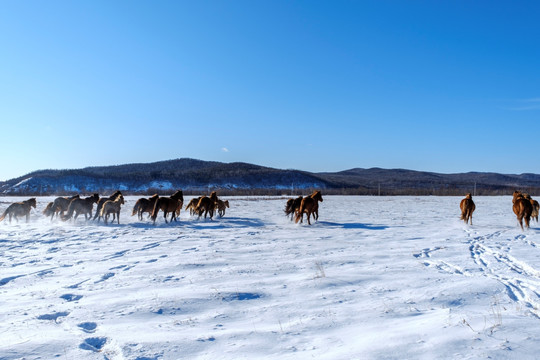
[
  {"x": 240, "y": 296},
  {"x": 4, "y": 281},
  {"x": 71, "y": 297},
  {"x": 88, "y": 327},
  {"x": 53, "y": 316},
  {"x": 105, "y": 277},
  {"x": 94, "y": 344}
]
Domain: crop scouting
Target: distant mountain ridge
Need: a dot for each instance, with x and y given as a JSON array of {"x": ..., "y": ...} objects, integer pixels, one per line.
[{"x": 197, "y": 176}]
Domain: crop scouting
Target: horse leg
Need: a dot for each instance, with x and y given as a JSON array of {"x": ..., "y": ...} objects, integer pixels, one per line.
[
  {"x": 118, "y": 217},
  {"x": 165, "y": 216},
  {"x": 308, "y": 214}
]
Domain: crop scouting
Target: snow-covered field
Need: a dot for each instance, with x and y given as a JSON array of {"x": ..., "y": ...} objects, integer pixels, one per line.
[{"x": 374, "y": 278}]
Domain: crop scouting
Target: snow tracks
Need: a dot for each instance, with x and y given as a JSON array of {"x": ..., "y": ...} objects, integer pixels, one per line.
[{"x": 505, "y": 256}]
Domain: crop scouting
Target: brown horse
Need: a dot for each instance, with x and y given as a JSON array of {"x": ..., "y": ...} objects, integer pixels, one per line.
[
  {"x": 112, "y": 207},
  {"x": 58, "y": 206},
  {"x": 168, "y": 205},
  {"x": 309, "y": 205},
  {"x": 292, "y": 207},
  {"x": 535, "y": 206},
  {"x": 192, "y": 205},
  {"x": 144, "y": 205},
  {"x": 522, "y": 208},
  {"x": 467, "y": 208},
  {"x": 220, "y": 206},
  {"x": 81, "y": 206},
  {"x": 19, "y": 209},
  {"x": 207, "y": 205},
  {"x": 102, "y": 201}
]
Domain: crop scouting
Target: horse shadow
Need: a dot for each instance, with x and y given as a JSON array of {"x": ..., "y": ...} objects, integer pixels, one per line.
[
  {"x": 226, "y": 222},
  {"x": 353, "y": 225}
]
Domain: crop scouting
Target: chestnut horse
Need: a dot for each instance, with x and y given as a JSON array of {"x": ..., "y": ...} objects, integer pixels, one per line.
[
  {"x": 102, "y": 201},
  {"x": 309, "y": 205},
  {"x": 220, "y": 206},
  {"x": 292, "y": 207},
  {"x": 207, "y": 205},
  {"x": 144, "y": 205},
  {"x": 19, "y": 209},
  {"x": 522, "y": 208},
  {"x": 192, "y": 205},
  {"x": 58, "y": 206},
  {"x": 168, "y": 205},
  {"x": 112, "y": 207},
  {"x": 81, "y": 206},
  {"x": 535, "y": 206},
  {"x": 467, "y": 208}
]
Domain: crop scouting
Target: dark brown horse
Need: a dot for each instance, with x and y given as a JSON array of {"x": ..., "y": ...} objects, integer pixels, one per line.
[
  {"x": 467, "y": 208},
  {"x": 58, "y": 206},
  {"x": 220, "y": 206},
  {"x": 309, "y": 205},
  {"x": 102, "y": 201},
  {"x": 168, "y": 205},
  {"x": 535, "y": 206},
  {"x": 19, "y": 209},
  {"x": 292, "y": 207},
  {"x": 145, "y": 205},
  {"x": 192, "y": 205},
  {"x": 112, "y": 207},
  {"x": 79, "y": 206},
  {"x": 522, "y": 208},
  {"x": 207, "y": 205}
]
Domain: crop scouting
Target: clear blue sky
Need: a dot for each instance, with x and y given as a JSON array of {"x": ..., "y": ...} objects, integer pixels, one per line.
[{"x": 445, "y": 86}]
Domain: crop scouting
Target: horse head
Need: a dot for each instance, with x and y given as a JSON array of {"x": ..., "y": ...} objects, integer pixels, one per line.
[
  {"x": 32, "y": 202},
  {"x": 317, "y": 196}
]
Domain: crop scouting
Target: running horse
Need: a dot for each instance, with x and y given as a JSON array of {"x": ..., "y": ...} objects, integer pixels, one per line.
[
  {"x": 58, "y": 206},
  {"x": 535, "y": 206},
  {"x": 102, "y": 201},
  {"x": 19, "y": 209},
  {"x": 207, "y": 205},
  {"x": 192, "y": 205},
  {"x": 467, "y": 208},
  {"x": 81, "y": 206},
  {"x": 292, "y": 206},
  {"x": 112, "y": 207},
  {"x": 309, "y": 205},
  {"x": 522, "y": 208},
  {"x": 168, "y": 205},
  {"x": 221, "y": 206},
  {"x": 144, "y": 205}
]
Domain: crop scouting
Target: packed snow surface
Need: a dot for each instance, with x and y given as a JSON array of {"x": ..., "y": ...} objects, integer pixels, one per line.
[{"x": 374, "y": 278}]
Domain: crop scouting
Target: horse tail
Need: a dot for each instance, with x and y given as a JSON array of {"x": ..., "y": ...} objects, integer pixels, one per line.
[
  {"x": 4, "y": 215},
  {"x": 155, "y": 211},
  {"x": 70, "y": 210},
  {"x": 199, "y": 208},
  {"x": 300, "y": 212},
  {"x": 136, "y": 207}
]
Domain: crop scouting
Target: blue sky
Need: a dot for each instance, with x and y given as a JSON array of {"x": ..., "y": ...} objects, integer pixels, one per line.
[{"x": 444, "y": 86}]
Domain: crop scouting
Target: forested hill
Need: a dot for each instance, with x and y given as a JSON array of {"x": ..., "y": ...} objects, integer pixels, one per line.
[{"x": 197, "y": 176}]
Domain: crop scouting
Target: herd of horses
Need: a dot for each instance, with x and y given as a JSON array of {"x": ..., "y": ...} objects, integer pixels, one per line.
[
  {"x": 523, "y": 205},
  {"x": 66, "y": 208}
]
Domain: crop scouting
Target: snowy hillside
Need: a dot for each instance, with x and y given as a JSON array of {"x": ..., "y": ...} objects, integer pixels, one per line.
[{"x": 375, "y": 277}]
